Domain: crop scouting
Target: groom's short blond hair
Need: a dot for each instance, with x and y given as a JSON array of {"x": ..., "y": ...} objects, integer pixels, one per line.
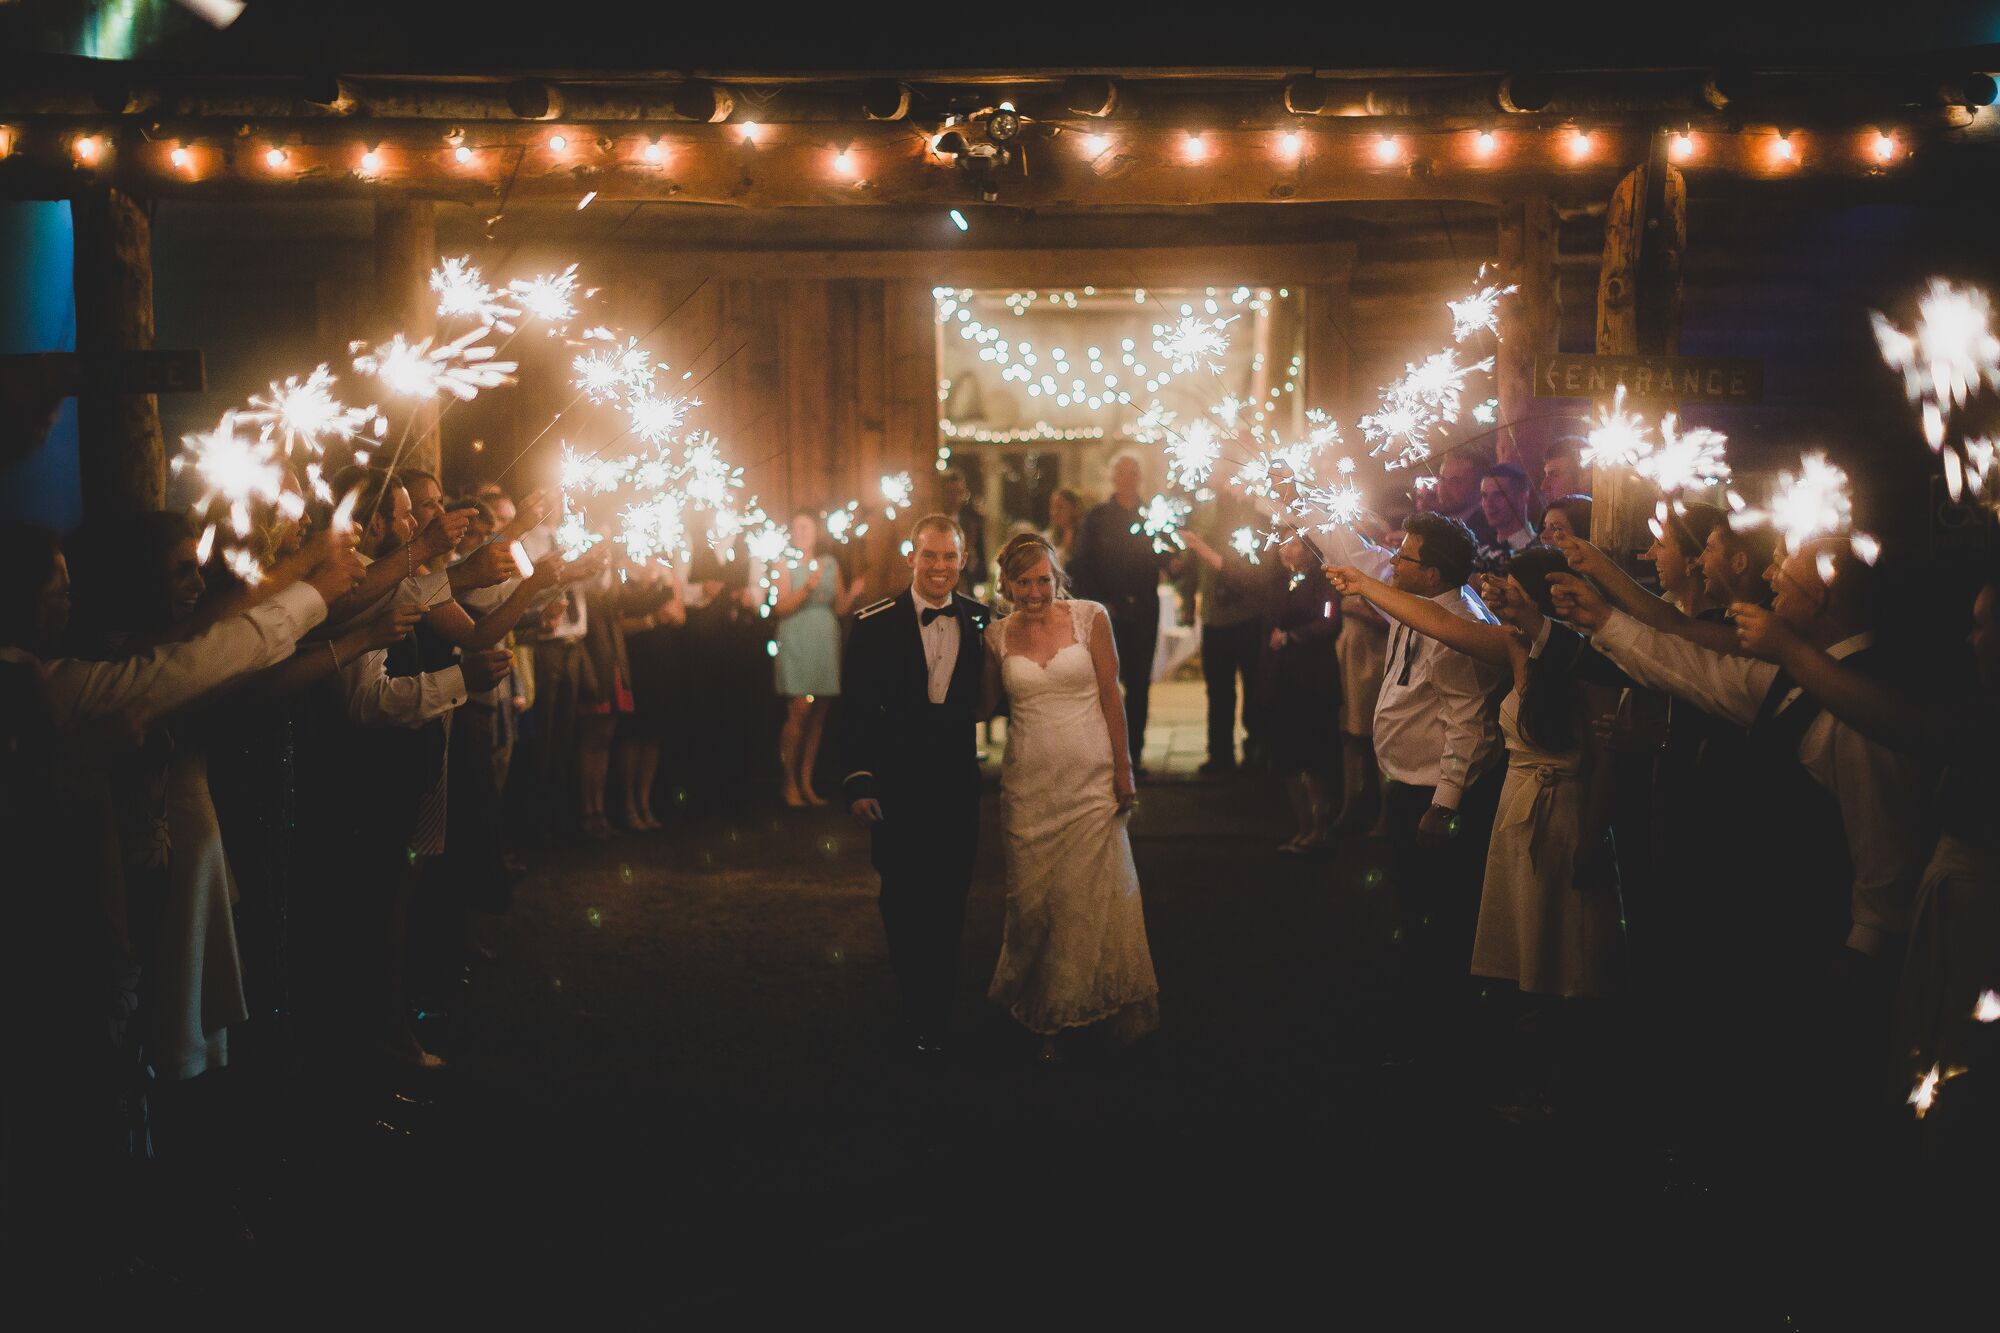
[{"x": 937, "y": 523}]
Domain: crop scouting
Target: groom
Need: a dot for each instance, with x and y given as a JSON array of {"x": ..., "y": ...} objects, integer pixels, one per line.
[{"x": 912, "y": 682}]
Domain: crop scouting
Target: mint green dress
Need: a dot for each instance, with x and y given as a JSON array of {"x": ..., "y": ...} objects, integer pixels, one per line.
[{"x": 809, "y": 640}]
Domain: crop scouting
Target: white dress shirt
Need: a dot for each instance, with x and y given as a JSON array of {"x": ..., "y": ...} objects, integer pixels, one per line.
[
  {"x": 940, "y": 644},
  {"x": 1438, "y": 727},
  {"x": 155, "y": 683},
  {"x": 374, "y": 697},
  {"x": 1878, "y": 790}
]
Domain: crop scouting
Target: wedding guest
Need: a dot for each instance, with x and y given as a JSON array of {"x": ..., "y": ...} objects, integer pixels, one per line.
[
  {"x": 604, "y": 698},
  {"x": 955, "y": 499},
  {"x": 1235, "y": 601},
  {"x": 1565, "y": 515},
  {"x": 1359, "y": 651},
  {"x": 1833, "y": 904},
  {"x": 1548, "y": 920},
  {"x": 1117, "y": 567},
  {"x": 813, "y": 593},
  {"x": 1438, "y": 746},
  {"x": 1503, "y": 503},
  {"x": 1563, "y": 472},
  {"x": 653, "y": 612},
  {"x": 1065, "y": 518},
  {"x": 1457, "y": 493},
  {"x": 1303, "y": 689},
  {"x": 1954, "y": 953}
]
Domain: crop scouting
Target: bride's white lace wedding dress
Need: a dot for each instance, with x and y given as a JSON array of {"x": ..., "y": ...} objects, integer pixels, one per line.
[{"x": 1075, "y": 950}]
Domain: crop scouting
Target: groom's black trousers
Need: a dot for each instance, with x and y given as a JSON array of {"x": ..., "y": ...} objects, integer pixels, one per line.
[{"x": 923, "y": 849}]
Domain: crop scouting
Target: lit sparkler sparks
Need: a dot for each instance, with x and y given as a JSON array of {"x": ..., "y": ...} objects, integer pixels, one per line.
[
  {"x": 305, "y": 414},
  {"x": 844, "y": 524},
  {"x": 1479, "y": 312},
  {"x": 1332, "y": 506},
  {"x": 461, "y": 367},
  {"x": 463, "y": 294},
  {"x": 1812, "y": 504},
  {"x": 236, "y": 468},
  {"x": 1152, "y": 425},
  {"x": 1194, "y": 341},
  {"x": 656, "y": 418},
  {"x": 1247, "y": 542},
  {"x": 709, "y": 477},
  {"x": 1401, "y": 422},
  {"x": 1618, "y": 439},
  {"x": 1684, "y": 458},
  {"x": 590, "y": 474},
  {"x": 1161, "y": 520},
  {"x": 550, "y": 298},
  {"x": 1440, "y": 381},
  {"x": 898, "y": 492},
  {"x": 1947, "y": 357},
  {"x": 767, "y": 543},
  {"x": 654, "y": 530},
  {"x": 573, "y": 534},
  {"x": 1988, "y": 1008},
  {"x": 1193, "y": 453}
]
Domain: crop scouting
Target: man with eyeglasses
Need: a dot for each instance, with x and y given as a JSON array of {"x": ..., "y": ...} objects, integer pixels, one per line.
[{"x": 1437, "y": 743}]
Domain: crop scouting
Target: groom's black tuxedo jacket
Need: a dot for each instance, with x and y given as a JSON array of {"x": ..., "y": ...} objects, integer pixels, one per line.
[{"x": 895, "y": 744}]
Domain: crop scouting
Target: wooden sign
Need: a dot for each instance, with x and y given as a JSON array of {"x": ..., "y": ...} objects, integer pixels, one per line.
[
  {"x": 151, "y": 370},
  {"x": 1710, "y": 381}
]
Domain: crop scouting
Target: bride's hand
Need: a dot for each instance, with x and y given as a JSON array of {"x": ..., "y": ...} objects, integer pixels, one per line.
[{"x": 1125, "y": 790}]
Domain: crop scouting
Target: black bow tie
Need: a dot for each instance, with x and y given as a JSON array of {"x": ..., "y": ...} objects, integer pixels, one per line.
[{"x": 933, "y": 612}]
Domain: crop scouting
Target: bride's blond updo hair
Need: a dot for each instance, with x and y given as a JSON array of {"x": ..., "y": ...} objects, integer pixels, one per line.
[{"x": 1022, "y": 553}]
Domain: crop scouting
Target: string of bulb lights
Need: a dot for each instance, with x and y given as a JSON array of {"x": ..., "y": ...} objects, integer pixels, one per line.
[{"x": 193, "y": 158}]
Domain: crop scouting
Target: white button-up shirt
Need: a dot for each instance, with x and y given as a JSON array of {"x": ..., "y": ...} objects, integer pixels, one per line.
[
  {"x": 1879, "y": 791},
  {"x": 940, "y": 644},
  {"x": 155, "y": 683},
  {"x": 377, "y": 699},
  {"x": 1436, "y": 717}
]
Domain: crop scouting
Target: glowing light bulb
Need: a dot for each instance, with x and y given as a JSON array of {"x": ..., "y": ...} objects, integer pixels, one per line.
[
  {"x": 371, "y": 161},
  {"x": 1581, "y": 143},
  {"x": 1783, "y": 148},
  {"x": 1291, "y": 143},
  {"x": 276, "y": 157},
  {"x": 844, "y": 163},
  {"x": 1884, "y": 148},
  {"x": 1486, "y": 143},
  {"x": 656, "y": 152},
  {"x": 1388, "y": 149},
  {"x": 87, "y": 148},
  {"x": 179, "y": 157},
  {"x": 1194, "y": 148},
  {"x": 1682, "y": 147},
  {"x": 558, "y": 142},
  {"x": 752, "y": 131},
  {"x": 1096, "y": 144},
  {"x": 463, "y": 154}
]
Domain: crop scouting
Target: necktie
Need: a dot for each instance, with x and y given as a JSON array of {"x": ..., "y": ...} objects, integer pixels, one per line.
[
  {"x": 933, "y": 612},
  {"x": 1409, "y": 653}
]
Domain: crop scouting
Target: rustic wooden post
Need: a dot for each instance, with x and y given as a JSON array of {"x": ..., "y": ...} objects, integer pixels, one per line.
[
  {"x": 1530, "y": 318},
  {"x": 1638, "y": 311},
  {"x": 122, "y": 457},
  {"x": 405, "y": 250}
]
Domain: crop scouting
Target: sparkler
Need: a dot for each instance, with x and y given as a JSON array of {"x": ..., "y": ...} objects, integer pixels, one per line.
[
  {"x": 1479, "y": 312},
  {"x": 573, "y": 534},
  {"x": 461, "y": 367},
  {"x": 1440, "y": 381},
  {"x": 1401, "y": 422},
  {"x": 1618, "y": 439},
  {"x": 1988, "y": 1008},
  {"x": 1192, "y": 454},
  {"x": 899, "y": 492},
  {"x": 1247, "y": 542},
  {"x": 710, "y": 478},
  {"x": 237, "y": 469},
  {"x": 1947, "y": 357},
  {"x": 655, "y": 419},
  {"x": 1924, "y": 1095},
  {"x": 1194, "y": 341},
  {"x": 463, "y": 294},
  {"x": 654, "y": 530},
  {"x": 305, "y": 413},
  {"x": 842, "y": 525},
  {"x": 549, "y": 298},
  {"x": 1161, "y": 520},
  {"x": 1812, "y": 504},
  {"x": 1684, "y": 458}
]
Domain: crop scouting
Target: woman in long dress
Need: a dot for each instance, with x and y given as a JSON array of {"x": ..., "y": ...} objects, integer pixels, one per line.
[{"x": 1074, "y": 953}]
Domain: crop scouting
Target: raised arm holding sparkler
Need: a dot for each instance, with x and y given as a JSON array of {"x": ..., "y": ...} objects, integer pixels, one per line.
[{"x": 1624, "y": 592}]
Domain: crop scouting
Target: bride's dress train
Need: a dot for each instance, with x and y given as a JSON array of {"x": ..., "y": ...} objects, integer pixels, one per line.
[{"x": 1074, "y": 952}]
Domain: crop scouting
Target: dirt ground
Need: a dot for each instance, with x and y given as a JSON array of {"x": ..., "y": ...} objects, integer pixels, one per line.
[{"x": 682, "y": 1077}]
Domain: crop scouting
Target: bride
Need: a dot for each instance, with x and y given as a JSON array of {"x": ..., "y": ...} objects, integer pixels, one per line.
[{"x": 1074, "y": 952}]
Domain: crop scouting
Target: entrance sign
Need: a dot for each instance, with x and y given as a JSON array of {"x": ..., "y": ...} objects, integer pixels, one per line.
[{"x": 1706, "y": 380}]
